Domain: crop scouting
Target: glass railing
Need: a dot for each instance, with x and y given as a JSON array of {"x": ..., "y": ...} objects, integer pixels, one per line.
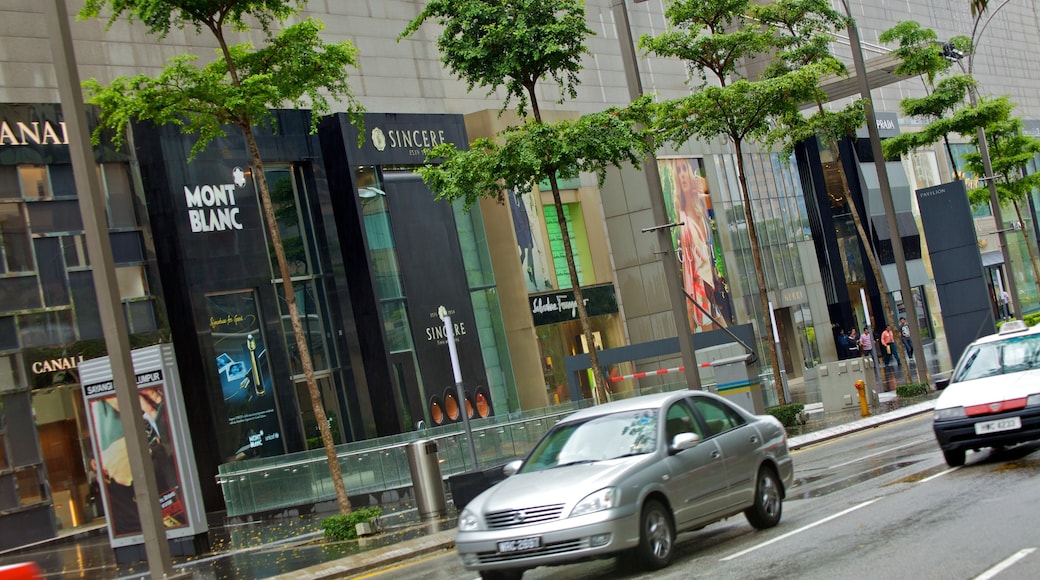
[{"x": 375, "y": 465}]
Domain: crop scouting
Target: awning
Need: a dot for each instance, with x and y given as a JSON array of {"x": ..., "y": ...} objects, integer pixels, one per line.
[{"x": 994, "y": 258}]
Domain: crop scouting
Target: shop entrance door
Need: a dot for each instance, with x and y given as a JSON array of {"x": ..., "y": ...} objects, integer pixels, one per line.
[{"x": 64, "y": 434}]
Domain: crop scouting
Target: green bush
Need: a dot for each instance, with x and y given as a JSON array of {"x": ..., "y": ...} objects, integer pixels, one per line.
[
  {"x": 786, "y": 414},
  {"x": 344, "y": 527},
  {"x": 1032, "y": 319},
  {"x": 912, "y": 390}
]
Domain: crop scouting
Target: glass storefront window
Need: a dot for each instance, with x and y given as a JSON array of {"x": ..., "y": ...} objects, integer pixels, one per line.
[
  {"x": 30, "y": 488},
  {"x": 15, "y": 250},
  {"x": 578, "y": 241},
  {"x": 131, "y": 281},
  {"x": 120, "y": 195},
  {"x": 395, "y": 326},
  {"x": 289, "y": 210},
  {"x": 381, "y": 245},
  {"x": 35, "y": 184},
  {"x": 313, "y": 327},
  {"x": 46, "y": 328}
]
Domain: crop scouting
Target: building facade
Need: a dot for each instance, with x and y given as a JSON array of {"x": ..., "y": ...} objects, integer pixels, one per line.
[{"x": 366, "y": 239}]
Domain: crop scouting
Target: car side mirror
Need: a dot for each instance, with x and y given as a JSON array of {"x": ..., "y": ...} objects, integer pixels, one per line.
[
  {"x": 512, "y": 467},
  {"x": 684, "y": 441},
  {"x": 941, "y": 384}
]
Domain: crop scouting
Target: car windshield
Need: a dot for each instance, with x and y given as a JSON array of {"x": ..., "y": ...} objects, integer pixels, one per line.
[
  {"x": 597, "y": 439},
  {"x": 1012, "y": 355}
]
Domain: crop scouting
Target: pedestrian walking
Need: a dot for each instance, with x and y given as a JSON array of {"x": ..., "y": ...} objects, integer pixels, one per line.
[
  {"x": 1005, "y": 304},
  {"x": 888, "y": 345},
  {"x": 842, "y": 345},
  {"x": 853, "y": 343},
  {"x": 908, "y": 343},
  {"x": 866, "y": 342}
]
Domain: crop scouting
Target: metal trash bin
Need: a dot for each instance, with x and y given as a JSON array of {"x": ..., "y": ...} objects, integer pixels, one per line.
[{"x": 426, "y": 479}]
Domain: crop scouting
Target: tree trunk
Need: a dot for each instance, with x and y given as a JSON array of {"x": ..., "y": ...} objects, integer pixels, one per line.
[
  {"x": 600, "y": 393},
  {"x": 756, "y": 256},
  {"x": 246, "y": 125},
  {"x": 294, "y": 317}
]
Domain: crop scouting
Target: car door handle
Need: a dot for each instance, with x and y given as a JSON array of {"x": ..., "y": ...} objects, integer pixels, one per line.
[
  {"x": 716, "y": 455},
  {"x": 753, "y": 439}
]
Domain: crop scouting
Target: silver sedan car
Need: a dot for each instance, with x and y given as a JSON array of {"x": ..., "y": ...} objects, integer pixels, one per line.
[{"x": 627, "y": 476}]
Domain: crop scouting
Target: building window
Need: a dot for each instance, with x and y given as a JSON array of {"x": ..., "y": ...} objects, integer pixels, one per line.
[
  {"x": 578, "y": 241},
  {"x": 34, "y": 181},
  {"x": 15, "y": 249}
]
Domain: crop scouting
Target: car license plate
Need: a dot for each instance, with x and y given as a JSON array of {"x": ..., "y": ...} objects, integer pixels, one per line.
[
  {"x": 1009, "y": 424},
  {"x": 520, "y": 545}
]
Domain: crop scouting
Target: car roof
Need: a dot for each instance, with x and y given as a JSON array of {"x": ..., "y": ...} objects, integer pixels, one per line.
[
  {"x": 653, "y": 401},
  {"x": 1012, "y": 328}
]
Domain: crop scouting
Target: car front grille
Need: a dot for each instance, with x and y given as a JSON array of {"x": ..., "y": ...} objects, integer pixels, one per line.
[
  {"x": 546, "y": 550},
  {"x": 522, "y": 517}
]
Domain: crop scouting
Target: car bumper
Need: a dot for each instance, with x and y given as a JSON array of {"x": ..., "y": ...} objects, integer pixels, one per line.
[
  {"x": 591, "y": 536},
  {"x": 956, "y": 434}
]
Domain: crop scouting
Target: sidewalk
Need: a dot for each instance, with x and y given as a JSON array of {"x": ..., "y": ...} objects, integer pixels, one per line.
[{"x": 290, "y": 548}]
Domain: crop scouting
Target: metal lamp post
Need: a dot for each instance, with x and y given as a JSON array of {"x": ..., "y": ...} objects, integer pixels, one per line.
[{"x": 653, "y": 186}]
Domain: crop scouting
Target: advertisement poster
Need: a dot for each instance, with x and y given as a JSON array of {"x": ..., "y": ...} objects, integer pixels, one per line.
[
  {"x": 696, "y": 242},
  {"x": 114, "y": 465},
  {"x": 526, "y": 213},
  {"x": 252, "y": 428}
]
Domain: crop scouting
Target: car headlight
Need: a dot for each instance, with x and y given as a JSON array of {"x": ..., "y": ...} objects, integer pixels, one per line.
[
  {"x": 468, "y": 521},
  {"x": 1033, "y": 400},
  {"x": 603, "y": 499},
  {"x": 950, "y": 413}
]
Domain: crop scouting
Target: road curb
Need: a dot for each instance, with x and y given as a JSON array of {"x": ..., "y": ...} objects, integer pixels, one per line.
[
  {"x": 373, "y": 559},
  {"x": 801, "y": 441}
]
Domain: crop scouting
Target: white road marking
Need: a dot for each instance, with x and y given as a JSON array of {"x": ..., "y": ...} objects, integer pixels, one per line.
[
  {"x": 940, "y": 474},
  {"x": 882, "y": 452},
  {"x": 798, "y": 531},
  {"x": 1005, "y": 564}
]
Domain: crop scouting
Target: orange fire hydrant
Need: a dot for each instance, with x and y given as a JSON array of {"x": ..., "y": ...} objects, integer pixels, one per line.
[{"x": 861, "y": 387}]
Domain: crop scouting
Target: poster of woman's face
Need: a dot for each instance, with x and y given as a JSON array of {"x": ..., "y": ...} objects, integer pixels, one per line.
[{"x": 696, "y": 243}]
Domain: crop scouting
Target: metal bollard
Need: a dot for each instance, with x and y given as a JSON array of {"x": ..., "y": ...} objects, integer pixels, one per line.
[
  {"x": 426, "y": 479},
  {"x": 861, "y": 387}
]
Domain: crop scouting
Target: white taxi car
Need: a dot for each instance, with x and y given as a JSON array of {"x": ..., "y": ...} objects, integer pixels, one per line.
[{"x": 993, "y": 397}]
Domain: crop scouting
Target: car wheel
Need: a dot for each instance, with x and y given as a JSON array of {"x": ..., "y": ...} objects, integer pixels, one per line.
[
  {"x": 656, "y": 536},
  {"x": 765, "y": 512},
  {"x": 954, "y": 457},
  {"x": 502, "y": 574}
]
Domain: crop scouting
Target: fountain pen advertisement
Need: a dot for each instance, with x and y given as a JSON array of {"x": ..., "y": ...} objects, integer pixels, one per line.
[{"x": 252, "y": 428}]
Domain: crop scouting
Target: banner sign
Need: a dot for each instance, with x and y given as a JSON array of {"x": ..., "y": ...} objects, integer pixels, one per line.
[{"x": 168, "y": 444}]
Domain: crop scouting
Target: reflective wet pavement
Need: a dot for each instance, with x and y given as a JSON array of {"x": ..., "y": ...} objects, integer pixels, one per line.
[
  {"x": 244, "y": 550},
  {"x": 283, "y": 545}
]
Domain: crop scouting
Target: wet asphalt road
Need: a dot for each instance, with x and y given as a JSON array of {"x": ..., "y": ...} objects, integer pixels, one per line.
[{"x": 877, "y": 504}]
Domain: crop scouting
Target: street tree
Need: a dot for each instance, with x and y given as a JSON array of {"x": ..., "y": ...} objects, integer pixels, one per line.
[
  {"x": 718, "y": 40},
  {"x": 921, "y": 54},
  {"x": 806, "y": 30},
  {"x": 516, "y": 45},
  {"x": 1011, "y": 152},
  {"x": 238, "y": 88}
]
